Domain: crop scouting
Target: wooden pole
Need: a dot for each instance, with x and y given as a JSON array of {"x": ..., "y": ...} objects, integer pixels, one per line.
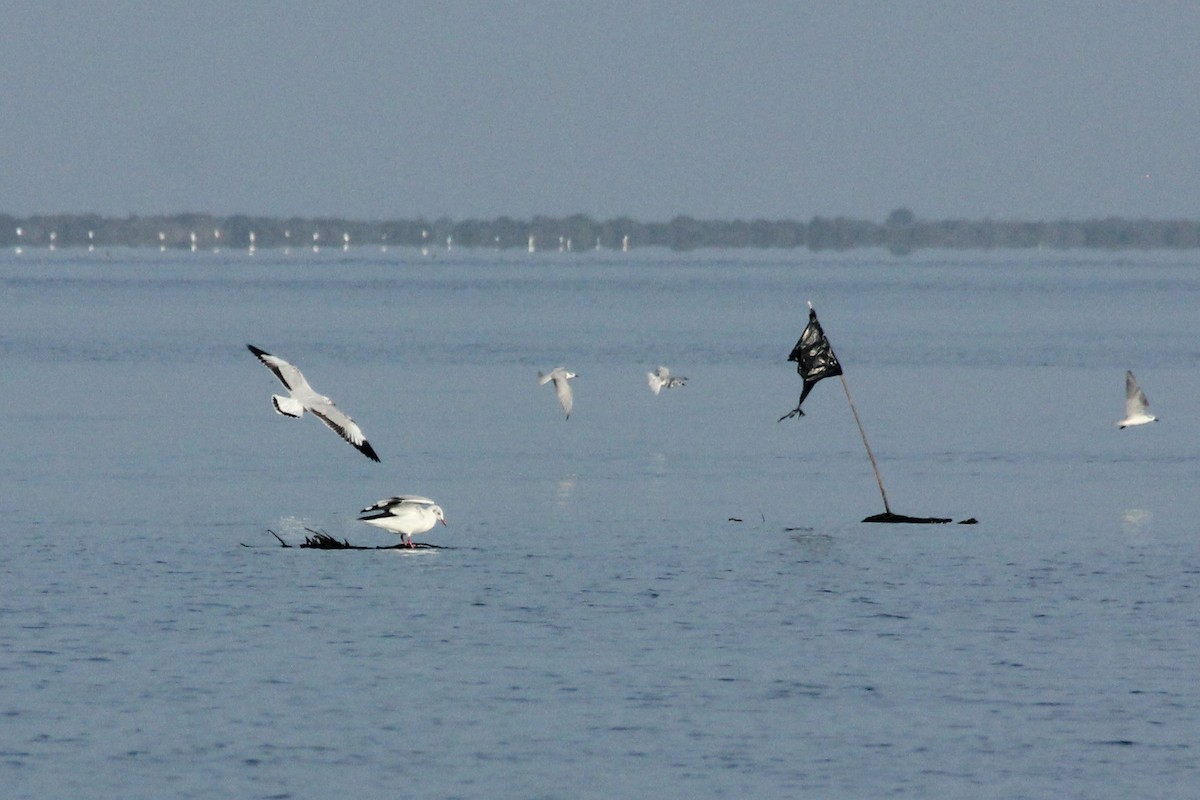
[{"x": 866, "y": 444}]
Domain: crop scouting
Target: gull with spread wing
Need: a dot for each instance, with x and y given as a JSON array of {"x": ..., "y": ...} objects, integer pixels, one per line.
[
  {"x": 1135, "y": 404},
  {"x": 304, "y": 398},
  {"x": 662, "y": 379},
  {"x": 560, "y": 376}
]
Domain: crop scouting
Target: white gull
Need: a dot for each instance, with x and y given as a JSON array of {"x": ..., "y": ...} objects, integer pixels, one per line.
[
  {"x": 404, "y": 515},
  {"x": 305, "y": 398},
  {"x": 560, "y": 376},
  {"x": 661, "y": 379},
  {"x": 1135, "y": 404}
]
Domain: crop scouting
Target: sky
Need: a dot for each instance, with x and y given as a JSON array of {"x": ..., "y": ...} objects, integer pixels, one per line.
[{"x": 1025, "y": 109}]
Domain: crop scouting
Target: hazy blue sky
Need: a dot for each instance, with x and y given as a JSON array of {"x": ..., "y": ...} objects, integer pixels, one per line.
[{"x": 376, "y": 110}]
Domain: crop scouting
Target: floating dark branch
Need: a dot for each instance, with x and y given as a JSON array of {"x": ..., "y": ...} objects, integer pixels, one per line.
[
  {"x": 323, "y": 541},
  {"x": 320, "y": 540}
]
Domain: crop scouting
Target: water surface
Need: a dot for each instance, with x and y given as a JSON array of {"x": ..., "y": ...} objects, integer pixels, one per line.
[{"x": 599, "y": 626}]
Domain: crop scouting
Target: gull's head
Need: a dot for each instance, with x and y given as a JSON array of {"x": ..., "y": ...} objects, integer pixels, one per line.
[{"x": 437, "y": 512}]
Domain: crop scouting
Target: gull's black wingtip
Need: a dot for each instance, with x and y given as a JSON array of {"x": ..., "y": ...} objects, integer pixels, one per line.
[
  {"x": 258, "y": 351},
  {"x": 368, "y": 451}
]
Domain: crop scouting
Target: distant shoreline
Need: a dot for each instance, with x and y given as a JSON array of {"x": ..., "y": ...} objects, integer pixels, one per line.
[{"x": 901, "y": 233}]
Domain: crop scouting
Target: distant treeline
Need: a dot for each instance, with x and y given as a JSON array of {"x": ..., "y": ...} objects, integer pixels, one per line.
[{"x": 901, "y": 233}]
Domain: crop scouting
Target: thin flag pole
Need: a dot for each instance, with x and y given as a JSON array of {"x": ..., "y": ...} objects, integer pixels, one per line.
[{"x": 866, "y": 444}]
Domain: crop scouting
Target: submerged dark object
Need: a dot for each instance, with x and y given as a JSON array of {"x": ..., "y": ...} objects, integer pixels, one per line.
[{"x": 888, "y": 516}]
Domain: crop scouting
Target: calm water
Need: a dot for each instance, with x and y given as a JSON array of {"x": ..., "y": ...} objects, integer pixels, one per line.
[{"x": 598, "y": 626}]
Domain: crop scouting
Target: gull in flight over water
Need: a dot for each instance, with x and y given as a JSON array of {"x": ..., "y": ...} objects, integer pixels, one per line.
[
  {"x": 404, "y": 515},
  {"x": 305, "y": 398},
  {"x": 661, "y": 379},
  {"x": 1135, "y": 404},
  {"x": 560, "y": 376}
]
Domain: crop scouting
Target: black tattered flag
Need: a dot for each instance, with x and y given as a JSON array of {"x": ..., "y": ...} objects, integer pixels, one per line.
[{"x": 814, "y": 360}]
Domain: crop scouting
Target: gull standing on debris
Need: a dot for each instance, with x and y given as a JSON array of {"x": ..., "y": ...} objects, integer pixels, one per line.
[
  {"x": 560, "y": 376},
  {"x": 1135, "y": 404},
  {"x": 305, "y": 398},
  {"x": 404, "y": 515},
  {"x": 661, "y": 379}
]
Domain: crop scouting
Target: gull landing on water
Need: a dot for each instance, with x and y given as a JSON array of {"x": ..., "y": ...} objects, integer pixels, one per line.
[
  {"x": 404, "y": 515},
  {"x": 1135, "y": 404},
  {"x": 560, "y": 376},
  {"x": 304, "y": 397},
  {"x": 661, "y": 379}
]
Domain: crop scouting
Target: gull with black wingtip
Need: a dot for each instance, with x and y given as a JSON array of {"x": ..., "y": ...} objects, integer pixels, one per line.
[
  {"x": 304, "y": 398},
  {"x": 662, "y": 379},
  {"x": 404, "y": 515},
  {"x": 1135, "y": 404}
]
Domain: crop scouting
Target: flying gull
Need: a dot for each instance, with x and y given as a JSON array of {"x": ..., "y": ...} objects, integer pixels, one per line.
[
  {"x": 404, "y": 515},
  {"x": 661, "y": 379},
  {"x": 560, "y": 376},
  {"x": 304, "y": 397},
  {"x": 1135, "y": 404}
]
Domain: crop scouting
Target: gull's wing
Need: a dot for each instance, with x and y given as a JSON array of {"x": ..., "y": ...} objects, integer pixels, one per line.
[
  {"x": 416, "y": 499},
  {"x": 387, "y": 506},
  {"x": 562, "y": 388},
  {"x": 381, "y": 509},
  {"x": 289, "y": 375},
  {"x": 345, "y": 427},
  {"x": 656, "y": 382},
  {"x": 1135, "y": 398},
  {"x": 288, "y": 406},
  {"x": 399, "y": 512}
]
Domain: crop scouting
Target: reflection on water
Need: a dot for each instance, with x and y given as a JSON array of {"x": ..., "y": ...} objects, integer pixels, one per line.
[
  {"x": 656, "y": 471},
  {"x": 565, "y": 489},
  {"x": 1136, "y": 523},
  {"x": 291, "y": 527},
  {"x": 813, "y": 544}
]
